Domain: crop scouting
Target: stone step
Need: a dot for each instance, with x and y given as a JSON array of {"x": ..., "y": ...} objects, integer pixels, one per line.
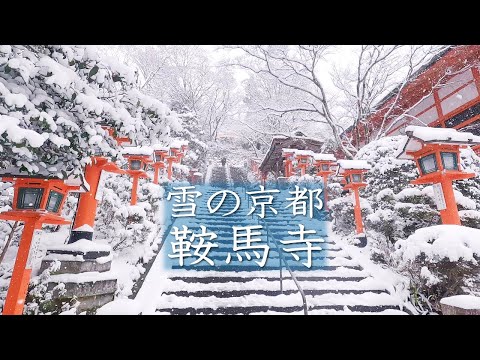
[
  {"x": 328, "y": 309},
  {"x": 263, "y": 284},
  {"x": 339, "y": 272},
  {"x": 255, "y": 267},
  {"x": 68, "y": 264},
  {"x": 240, "y": 293},
  {"x": 226, "y": 279},
  {"x": 282, "y": 301}
]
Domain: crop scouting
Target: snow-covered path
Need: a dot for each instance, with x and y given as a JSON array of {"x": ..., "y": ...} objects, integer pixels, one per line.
[{"x": 342, "y": 280}]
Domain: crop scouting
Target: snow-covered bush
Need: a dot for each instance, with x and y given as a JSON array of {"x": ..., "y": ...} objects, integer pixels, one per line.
[
  {"x": 132, "y": 231},
  {"x": 397, "y": 210},
  {"x": 122, "y": 224},
  {"x": 53, "y": 100},
  {"x": 440, "y": 261},
  {"x": 470, "y": 218},
  {"x": 341, "y": 209}
]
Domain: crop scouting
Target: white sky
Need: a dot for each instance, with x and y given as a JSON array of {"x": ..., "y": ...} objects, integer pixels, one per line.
[{"x": 341, "y": 56}]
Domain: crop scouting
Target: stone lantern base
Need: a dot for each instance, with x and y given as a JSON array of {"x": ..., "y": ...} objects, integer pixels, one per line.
[
  {"x": 362, "y": 240},
  {"x": 84, "y": 269}
]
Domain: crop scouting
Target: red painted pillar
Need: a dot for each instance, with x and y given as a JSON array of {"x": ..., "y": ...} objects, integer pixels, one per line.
[
  {"x": 169, "y": 169},
  {"x": 133, "y": 200},
  {"x": 357, "y": 211},
  {"x": 17, "y": 291},
  {"x": 87, "y": 204},
  {"x": 288, "y": 168},
  {"x": 450, "y": 214},
  {"x": 264, "y": 179},
  {"x": 155, "y": 175}
]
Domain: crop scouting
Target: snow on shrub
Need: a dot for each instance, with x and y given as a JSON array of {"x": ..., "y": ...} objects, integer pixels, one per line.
[
  {"x": 342, "y": 212},
  {"x": 470, "y": 218},
  {"x": 453, "y": 242},
  {"x": 440, "y": 261},
  {"x": 53, "y": 98},
  {"x": 132, "y": 231},
  {"x": 53, "y": 101}
]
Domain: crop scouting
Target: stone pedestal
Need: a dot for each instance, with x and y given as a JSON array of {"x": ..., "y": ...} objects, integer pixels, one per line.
[
  {"x": 85, "y": 272},
  {"x": 460, "y": 305},
  {"x": 362, "y": 240}
]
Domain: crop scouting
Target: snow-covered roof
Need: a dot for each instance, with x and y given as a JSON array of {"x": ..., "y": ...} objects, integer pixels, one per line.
[
  {"x": 176, "y": 143},
  {"x": 287, "y": 150},
  {"x": 304, "y": 152},
  {"x": 137, "y": 150},
  {"x": 324, "y": 157},
  {"x": 45, "y": 173},
  {"x": 274, "y": 155},
  {"x": 159, "y": 147},
  {"x": 352, "y": 165},
  {"x": 418, "y": 135},
  {"x": 429, "y": 134}
]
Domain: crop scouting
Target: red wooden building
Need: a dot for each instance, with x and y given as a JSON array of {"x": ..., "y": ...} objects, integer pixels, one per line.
[{"x": 443, "y": 93}]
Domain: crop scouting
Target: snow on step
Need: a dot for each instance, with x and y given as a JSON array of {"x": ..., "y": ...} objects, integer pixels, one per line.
[
  {"x": 341, "y": 272},
  {"x": 282, "y": 300},
  {"x": 264, "y": 284},
  {"x": 346, "y": 311}
]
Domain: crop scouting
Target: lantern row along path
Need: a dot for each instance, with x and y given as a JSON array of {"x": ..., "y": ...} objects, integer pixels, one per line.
[{"x": 336, "y": 283}]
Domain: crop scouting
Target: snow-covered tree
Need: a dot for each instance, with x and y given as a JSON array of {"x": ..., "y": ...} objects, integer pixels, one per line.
[
  {"x": 53, "y": 100},
  {"x": 302, "y": 69}
]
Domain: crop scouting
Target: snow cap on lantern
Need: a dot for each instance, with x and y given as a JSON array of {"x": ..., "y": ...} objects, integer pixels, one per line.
[
  {"x": 352, "y": 171},
  {"x": 138, "y": 157},
  {"x": 178, "y": 148},
  {"x": 288, "y": 153},
  {"x": 435, "y": 151},
  {"x": 160, "y": 154},
  {"x": 303, "y": 156},
  {"x": 324, "y": 162}
]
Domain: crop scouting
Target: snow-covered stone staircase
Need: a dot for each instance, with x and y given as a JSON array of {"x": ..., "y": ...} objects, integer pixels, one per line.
[{"x": 335, "y": 283}]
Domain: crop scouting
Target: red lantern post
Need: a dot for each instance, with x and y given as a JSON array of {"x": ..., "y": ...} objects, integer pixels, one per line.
[
  {"x": 324, "y": 164},
  {"x": 436, "y": 152},
  {"x": 352, "y": 171},
  {"x": 160, "y": 153},
  {"x": 37, "y": 200},
  {"x": 138, "y": 159}
]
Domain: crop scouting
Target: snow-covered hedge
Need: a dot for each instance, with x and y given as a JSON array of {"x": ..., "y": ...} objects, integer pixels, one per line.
[
  {"x": 53, "y": 99},
  {"x": 440, "y": 261},
  {"x": 132, "y": 231}
]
